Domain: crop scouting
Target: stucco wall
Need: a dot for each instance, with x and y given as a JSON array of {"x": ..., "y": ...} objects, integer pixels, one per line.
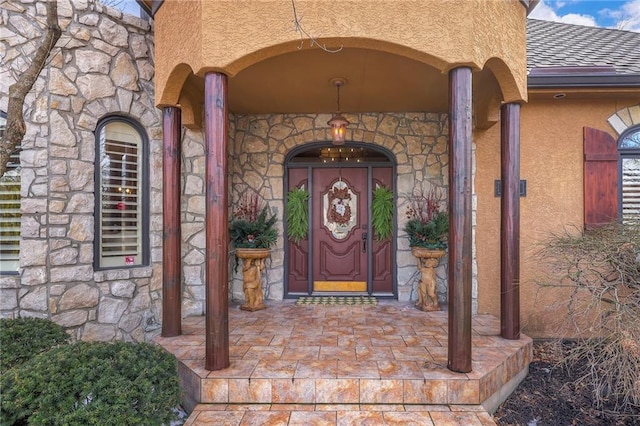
[
  {"x": 101, "y": 65},
  {"x": 229, "y": 36},
  {"x": 552, "y": 164},
  {"x": 257, "y": 149}
]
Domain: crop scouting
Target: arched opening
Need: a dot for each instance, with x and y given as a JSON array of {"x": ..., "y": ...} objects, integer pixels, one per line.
[{"x": 339, "y": 254}]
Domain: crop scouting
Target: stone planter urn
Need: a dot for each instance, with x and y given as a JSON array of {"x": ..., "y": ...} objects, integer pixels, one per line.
[
  {"x": 428, "y": 260},
  {"x": 253, "y": 259}
]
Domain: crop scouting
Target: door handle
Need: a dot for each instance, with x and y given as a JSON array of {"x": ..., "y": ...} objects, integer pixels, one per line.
[{"x": 364, "y": 242}]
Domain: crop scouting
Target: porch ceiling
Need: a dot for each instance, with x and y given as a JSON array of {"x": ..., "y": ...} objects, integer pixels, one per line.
[{"x": 301, "y": 82}]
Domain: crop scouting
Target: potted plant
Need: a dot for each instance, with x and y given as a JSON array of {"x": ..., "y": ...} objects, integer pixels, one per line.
[
  {"x": 252, "y": 231},
  {"x": 427, "y": 228}
]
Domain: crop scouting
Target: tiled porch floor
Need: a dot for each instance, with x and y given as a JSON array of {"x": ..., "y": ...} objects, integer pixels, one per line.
[{"x": 344, "y": 365}]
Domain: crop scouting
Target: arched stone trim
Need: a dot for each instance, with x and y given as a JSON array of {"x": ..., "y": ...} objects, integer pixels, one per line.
[{"x": 625, "y": 118}]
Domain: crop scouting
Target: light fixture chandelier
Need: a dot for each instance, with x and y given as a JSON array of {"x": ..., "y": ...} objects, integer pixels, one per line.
[{"x": 338, "y": 123}]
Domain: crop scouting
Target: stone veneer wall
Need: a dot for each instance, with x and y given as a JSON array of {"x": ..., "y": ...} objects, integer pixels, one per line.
[
  {"x": 102, "y": 64},
  {"x": 257, "y": 149}
]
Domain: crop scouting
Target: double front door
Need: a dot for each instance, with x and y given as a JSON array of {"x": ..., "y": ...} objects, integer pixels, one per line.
[{"x": 340, "y": 255}]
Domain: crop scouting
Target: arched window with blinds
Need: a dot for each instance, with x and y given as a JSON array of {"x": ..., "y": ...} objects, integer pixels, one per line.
[
  {"x": 10, "y": 211},
  {"x": 629, "y": 174},
  {"x": 122, "y": 225}
]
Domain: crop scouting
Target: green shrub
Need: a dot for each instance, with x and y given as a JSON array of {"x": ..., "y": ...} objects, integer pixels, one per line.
[
  {"x": 23, "y": 338},
  {"x": 92, "y": 384}
]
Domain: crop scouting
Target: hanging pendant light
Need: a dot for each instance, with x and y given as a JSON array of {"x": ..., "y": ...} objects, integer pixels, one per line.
[{"x": 338, "y": 123}]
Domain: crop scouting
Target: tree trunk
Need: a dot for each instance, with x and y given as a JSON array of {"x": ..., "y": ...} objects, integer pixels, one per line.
[{"x": 15, "y": 128}]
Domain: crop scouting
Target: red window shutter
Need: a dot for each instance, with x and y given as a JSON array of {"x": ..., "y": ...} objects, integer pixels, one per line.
[{"x": 600, "y": 178}]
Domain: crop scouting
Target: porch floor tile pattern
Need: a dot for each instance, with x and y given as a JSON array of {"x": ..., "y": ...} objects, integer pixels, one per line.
[{"x": 387, "y": 363}]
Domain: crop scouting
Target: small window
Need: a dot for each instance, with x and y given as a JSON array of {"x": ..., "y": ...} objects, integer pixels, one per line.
[
  {"x": 10, "y": 211},
  {"x": 629, "y": 197},
  {"x": 121, "y": 197}
]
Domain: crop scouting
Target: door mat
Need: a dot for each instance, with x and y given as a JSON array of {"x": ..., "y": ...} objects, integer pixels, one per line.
[{"x": 338, "y": 300}]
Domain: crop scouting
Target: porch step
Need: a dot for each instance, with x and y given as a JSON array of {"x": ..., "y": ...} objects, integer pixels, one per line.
[
  {"x": 342, "y": 414},
  {"x": 427, "y": 386},
  {"x": 264, "y": 390}
]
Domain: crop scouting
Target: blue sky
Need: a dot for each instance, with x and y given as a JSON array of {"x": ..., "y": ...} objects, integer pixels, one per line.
[
  {"x": 129, "y": 6},
  {"x": 621, "y": 14}
]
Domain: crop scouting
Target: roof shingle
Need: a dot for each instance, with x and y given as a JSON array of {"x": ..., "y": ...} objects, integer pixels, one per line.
[{"x": 555, "y": 44}]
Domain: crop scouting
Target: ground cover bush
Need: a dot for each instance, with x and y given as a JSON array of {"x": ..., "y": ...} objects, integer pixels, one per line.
[
  {"x": 23, "y": 338},
  {"x": 92, "y": 384}
]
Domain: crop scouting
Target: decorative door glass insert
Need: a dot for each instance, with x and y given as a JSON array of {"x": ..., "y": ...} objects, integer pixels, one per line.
[{"x": 339, "y": 206}]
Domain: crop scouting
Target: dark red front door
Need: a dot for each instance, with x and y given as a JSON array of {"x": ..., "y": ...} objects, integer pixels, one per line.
[
  {"x": 339, "y": 256},
  {"x": 339, "y": 223}
]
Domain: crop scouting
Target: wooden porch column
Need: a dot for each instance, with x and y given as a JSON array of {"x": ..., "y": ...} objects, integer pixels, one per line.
[
  {"x": 216, "y": 222},
  {"x": 510, "y": 222},
  {"x": 171, "y": 283},
  {"x": 460, "y": 175}
]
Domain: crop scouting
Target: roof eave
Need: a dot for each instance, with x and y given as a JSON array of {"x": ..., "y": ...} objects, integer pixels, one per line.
[
  {"x": 150, "y": 6},
  {"x": 584, "y": 81},
  {"x": 530, "y": 5}
]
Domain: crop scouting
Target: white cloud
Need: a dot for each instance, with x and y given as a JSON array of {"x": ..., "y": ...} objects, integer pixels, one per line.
[
  {"x": 576, "y": 18},
  {"x": 611, "y": 13},
  {"x": 625, "y": 17},
  {"x": 546, "y": 12},
  {"x": 628, "y": 16}
]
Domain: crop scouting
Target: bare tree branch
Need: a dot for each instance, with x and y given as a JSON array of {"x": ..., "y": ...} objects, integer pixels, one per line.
[
  {"x": 603, "y": 267},
  {"x": 303, "y": 33},
  {"x": 15, "y": 127}
]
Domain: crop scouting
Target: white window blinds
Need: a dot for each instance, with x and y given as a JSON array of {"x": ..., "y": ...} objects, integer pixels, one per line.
[
  {"x": 120, "y": 207},
  {"x": 630, "y": 189},
  {"x": 10, "y": 211}
]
